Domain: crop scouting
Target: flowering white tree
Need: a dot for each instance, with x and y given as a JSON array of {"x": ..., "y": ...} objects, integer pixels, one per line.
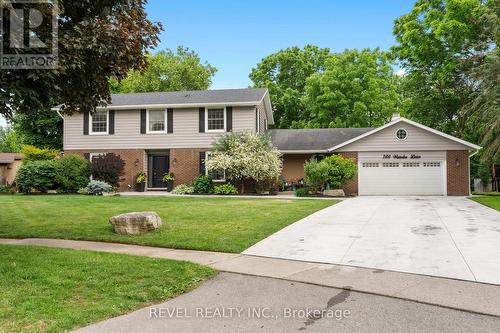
[{"x": 246, "y": 155}]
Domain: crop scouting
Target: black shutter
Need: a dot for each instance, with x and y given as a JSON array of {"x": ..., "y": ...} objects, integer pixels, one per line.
[
  {"x": 86, "y": 156},
  {"x": 201, "y": 112},
  {"x": 85, "y": 123},
  {"x": 143, "y": 121},
  {"x": 170, "y": 120},
  {"x": 111, "y": 122},
  {"x": 229, "y": 119},
  {"x": 202, "y": 162}
]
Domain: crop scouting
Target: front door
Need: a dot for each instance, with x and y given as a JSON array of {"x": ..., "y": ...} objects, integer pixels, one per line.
[{"x": 159, "y": 168}]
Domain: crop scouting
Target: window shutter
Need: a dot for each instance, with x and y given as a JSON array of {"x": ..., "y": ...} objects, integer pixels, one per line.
[
  {"x": 202, "y": 162},
  {"x": 85, "y": 123},
  {"x": 86, "y": 156},
  {"x": 143, "y": 121},
  {"x": 111, "y": 128},
  {"x": 201, "y": 112},
  {"x": 229, "y": 119},
  {"x": 170, "y": 120}
]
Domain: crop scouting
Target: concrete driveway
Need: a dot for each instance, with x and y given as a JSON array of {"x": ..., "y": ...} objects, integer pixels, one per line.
[{"x": 441, "y": 236}]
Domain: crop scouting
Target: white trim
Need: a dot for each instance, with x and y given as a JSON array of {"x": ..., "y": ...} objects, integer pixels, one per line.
[
  {"x": 303, "y": 151},
  {"x": 107, "y": 124},
  {"x": 165, "y": 129},
  {"x": 171, "y": 106},
  {"x": 445, "y": 177},
  {"x": 206, "y": 120},
  {"x": 450, "y": 137}
]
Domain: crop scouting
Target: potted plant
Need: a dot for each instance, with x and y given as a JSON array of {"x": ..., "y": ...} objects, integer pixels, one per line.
[
  {"x": 140, "y": 182},
  {"x": 168, "y": 179}
]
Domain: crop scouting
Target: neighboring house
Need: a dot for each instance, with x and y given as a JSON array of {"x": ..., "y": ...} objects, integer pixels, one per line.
[
  {"x": 174, "y": 131},
  {"x": 9, "y": 164}
]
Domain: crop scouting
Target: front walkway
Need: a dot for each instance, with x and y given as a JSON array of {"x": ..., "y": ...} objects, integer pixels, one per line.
[
  {"x": 456, "y": 294},
  {"x": 451, "y": 237}
]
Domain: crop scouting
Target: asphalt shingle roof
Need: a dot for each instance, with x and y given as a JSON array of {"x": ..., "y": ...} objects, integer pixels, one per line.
[
  {"x": 190, "y": 97},
  {"x": 316, "y": 139}
]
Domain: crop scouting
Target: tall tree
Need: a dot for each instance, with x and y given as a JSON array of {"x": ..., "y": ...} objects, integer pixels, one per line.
[
  {"x": 440, "y": 42},
  {"x": 284, "y": 73},
  {"x": 168, "y": 71},
  {"x": 10, "y": 141},
  {"x": 42, "y": 128},
  {"x": 96, "y": 40},
  {"x": 357, "y": 89}
]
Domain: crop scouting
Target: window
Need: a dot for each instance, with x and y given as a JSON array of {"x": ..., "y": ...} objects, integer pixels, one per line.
[
  {"x": 401, "y": 134},
  {"x": 411, "y": 164},
  {"x": 216, "y": 121},
  {"x": 99, "y": 122},
  {"x": 390, "y": 165},
  {"x": 370, "y": 165},
  {"x": 432, "y": 164},
  {"x": 156, "y": 121},
  {"x": 217, "y": 175}
]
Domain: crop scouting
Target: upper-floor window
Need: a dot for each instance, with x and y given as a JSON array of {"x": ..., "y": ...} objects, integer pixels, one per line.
[
  {"x": 99, "y": 121},
  {"x": 216, "y": 120},
  {"x": 156, "y": 121}
]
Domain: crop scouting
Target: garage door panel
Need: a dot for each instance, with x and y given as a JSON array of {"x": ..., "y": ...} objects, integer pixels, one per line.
[{"x": 401, "y": 178}]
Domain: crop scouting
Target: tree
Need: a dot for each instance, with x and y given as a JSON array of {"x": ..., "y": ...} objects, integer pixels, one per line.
[
  {"x": 168, "y": 71},
  {"x": 97, "y": 40},
  {"x": 440, "y": 42},
  {"x": 42, "y": 128},
  {"x": 73, "y": 173},
  {"x": 334, "y": 170},
  {"x": 108, "y": 168},
  {"x": 284, "y": 73},
  {"x": 245, "y": 156},
  {"x": 357, "y": 89},
  {"x": 10, "y": 140}
]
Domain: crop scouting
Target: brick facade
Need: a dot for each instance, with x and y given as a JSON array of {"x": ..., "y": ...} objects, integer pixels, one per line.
[
  {"x": 134, "y": 163},
  {"x": 351, "y": 187},
  {"x": 185, "y": 164},
  {"x": 457, "y": 172}
]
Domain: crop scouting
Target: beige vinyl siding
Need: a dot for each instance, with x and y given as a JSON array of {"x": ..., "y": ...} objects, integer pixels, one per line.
[
  {"x": 127, "y": 131},
  {"x": 417, "y": 140},
  {"x": 263, "y": 116}
]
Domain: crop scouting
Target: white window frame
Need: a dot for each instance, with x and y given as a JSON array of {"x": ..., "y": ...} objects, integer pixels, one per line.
[
  {"x": 165, "y": 129},
  {"x": 206, "y": 119},
  {"x": 401, "y": 129},
  {"x": 91, "y": 132},
  {"x": 207, "y": 157}
]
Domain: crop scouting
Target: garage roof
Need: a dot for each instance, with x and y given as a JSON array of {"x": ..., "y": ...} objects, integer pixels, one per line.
[
  {"x": 8, "y": 158},
  {"x": 313, "y": 140}
]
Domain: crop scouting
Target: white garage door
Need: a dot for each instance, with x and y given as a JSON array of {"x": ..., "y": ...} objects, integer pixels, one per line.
[{"x": 401, "y": 178}]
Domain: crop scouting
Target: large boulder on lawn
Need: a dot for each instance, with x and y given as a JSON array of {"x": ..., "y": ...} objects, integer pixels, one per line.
[{"x": 135, "y": 223}]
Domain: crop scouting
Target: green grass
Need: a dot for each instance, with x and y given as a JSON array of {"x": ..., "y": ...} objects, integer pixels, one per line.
[
  {"x": 491, "y": 201},
  {"x": 55, "y": 290},
  {"x": 216, "y": 224}
]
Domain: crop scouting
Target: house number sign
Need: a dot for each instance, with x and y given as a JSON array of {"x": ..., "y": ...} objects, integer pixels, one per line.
[{"x": 401, "y": 156}]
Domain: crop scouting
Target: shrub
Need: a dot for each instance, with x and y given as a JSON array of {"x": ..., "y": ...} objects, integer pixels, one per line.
[
  {"x": 203, "y": 184},
  {"x": 4, "y": 189},
  {"x": 316, "y": 174},
  {"x": 32, "y": 153},
  {"x": 108, "y": 168},
  {"x": 183, "y": 189},
  {"x": 73, "y": 172},
  {"x": 225, "y": 189},
  {"x": 38, "y": 175},
  {"x": 97, "y": 187},
  {"x": 301, "y": 192}
]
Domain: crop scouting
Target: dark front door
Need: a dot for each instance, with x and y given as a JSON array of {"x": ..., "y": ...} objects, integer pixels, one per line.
[{"x": 160, "y": 167}]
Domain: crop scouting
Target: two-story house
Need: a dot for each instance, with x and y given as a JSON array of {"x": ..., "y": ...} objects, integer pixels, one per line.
[
  {"x": 165, "y": 131},
  {"x": 173, "y": 131}
]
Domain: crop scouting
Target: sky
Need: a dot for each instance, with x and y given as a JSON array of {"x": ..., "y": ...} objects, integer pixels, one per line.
[{"x": 234, "y": 35}]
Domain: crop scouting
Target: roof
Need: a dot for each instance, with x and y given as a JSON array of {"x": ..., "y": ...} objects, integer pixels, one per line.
[
  {"x": 408, "y": 121},
  {"x": 8, "y": 158},
  {"x": 311, "y": 140},
  {"x": 191, "y": 98}
]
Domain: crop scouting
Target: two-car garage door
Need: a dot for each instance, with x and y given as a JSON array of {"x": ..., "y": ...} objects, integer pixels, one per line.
[{"x": 401, "y": 177}]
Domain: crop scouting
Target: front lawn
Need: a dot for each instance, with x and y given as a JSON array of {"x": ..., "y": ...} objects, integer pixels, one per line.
[
  {"x": 216, "y": 224},
  {"x": 55, "y": 290},
  {"x": 492, "y": 201}
]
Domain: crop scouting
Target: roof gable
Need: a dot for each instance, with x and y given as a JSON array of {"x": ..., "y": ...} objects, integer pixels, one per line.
[{"x": 419, "y": 137}]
